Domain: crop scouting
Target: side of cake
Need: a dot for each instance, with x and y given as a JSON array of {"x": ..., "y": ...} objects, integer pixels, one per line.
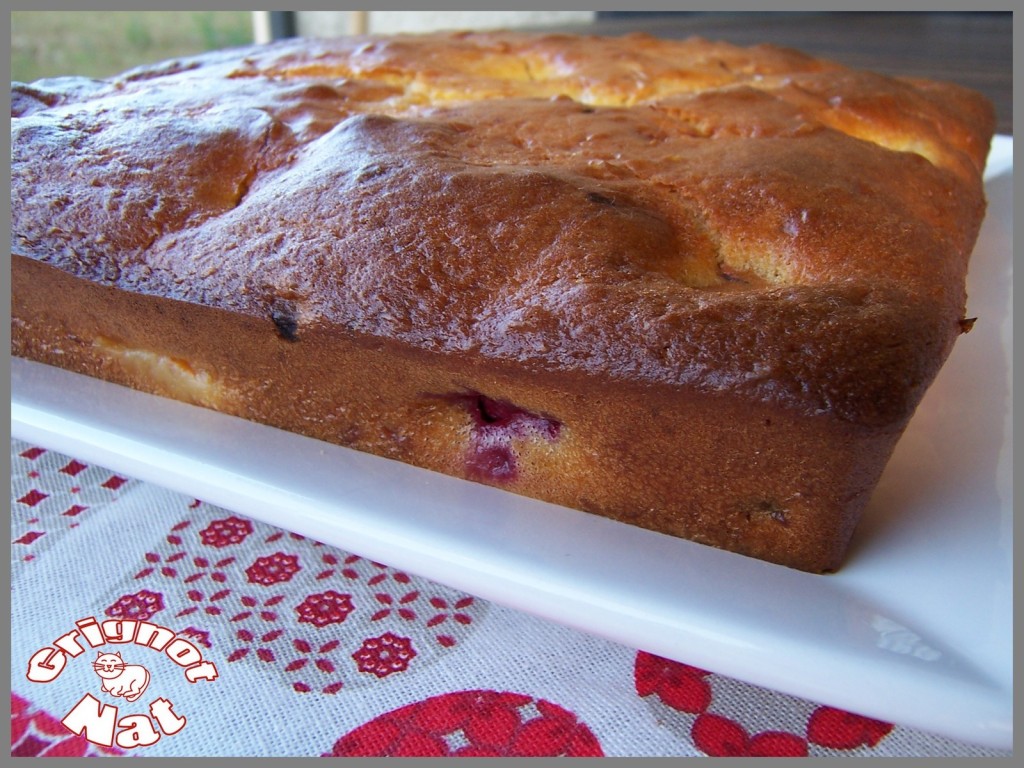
[{"x": 684, "y": 285}]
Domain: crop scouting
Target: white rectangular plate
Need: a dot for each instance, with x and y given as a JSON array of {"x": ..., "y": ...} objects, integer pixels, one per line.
[{"x": 915, "y": 629}]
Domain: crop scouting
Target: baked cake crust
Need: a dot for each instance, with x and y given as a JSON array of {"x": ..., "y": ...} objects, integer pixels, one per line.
[{"x": 690, "y": 286}]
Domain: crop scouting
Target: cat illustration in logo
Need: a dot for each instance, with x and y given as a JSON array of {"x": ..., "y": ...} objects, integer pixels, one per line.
[{"x": 120, "y": 679}]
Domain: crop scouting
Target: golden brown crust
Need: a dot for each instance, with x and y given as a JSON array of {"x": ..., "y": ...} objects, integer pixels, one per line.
[{"x": 691, "y": 239}]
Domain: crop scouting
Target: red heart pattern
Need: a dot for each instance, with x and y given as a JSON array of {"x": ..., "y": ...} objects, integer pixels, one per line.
[
  {"x": 684, "y": 691},
  {"x": 835, "y": 728},
  {"x": 680, "y": 686},
  {"x": 719, "y": 736}
]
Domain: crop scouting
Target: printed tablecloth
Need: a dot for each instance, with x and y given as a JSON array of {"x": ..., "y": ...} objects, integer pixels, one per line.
[{"x": 147, "y": 623}]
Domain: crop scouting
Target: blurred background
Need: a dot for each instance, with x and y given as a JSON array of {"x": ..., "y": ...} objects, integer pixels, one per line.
[
  {"x": 98, "y": 44},
  {"x": 974, "y": 49}
]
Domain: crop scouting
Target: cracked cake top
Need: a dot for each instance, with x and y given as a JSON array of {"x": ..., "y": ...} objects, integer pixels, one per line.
[{"x": 692, "y": 213}]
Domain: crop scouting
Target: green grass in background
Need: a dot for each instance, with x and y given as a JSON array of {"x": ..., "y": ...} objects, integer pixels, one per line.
[{"x": 99, "y": 44}]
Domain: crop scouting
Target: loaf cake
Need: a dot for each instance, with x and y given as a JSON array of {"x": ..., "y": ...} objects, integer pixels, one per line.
[{"x": 685, "y": 285}]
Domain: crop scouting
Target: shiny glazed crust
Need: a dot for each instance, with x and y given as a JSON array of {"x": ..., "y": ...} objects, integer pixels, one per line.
[{"x": 689, "y": 286}]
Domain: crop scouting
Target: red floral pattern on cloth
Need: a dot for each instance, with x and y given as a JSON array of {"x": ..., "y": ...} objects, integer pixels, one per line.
[
  {"x": 472, "y": 724},
  {"x": 51, "y": 495},
  {"x": 35, "y": 733},
  {"x": 274, "y": 569},
  {"x": 688, "y": 690},
  {"x": 328, "y": 634},
  {"x": 384, "y": 655},
  {"x": 325, "y": 608},
  {"x": 140, "y": 606},
  {"x": 223, "y": 533},
  {"x": 320, "y": 618}
]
